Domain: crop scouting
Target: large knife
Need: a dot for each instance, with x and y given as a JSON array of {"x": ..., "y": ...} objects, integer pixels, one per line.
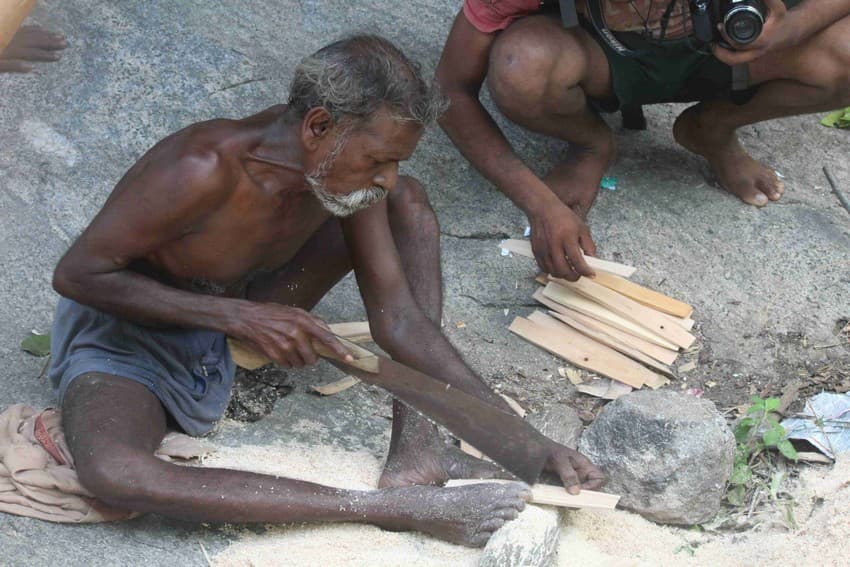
[{"x": 499, "y": 434}]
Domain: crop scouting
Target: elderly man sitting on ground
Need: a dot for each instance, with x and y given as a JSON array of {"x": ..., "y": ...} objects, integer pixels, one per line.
[{"x": 239, "y": 227}]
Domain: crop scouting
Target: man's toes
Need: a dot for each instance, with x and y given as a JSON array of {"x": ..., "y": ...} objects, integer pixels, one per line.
[
  {"x": 491, "y": 525},
  {"x": 773, "y": 187},
  {"x": 508, "y": 514},
  {"x": 480, "y": 539}
]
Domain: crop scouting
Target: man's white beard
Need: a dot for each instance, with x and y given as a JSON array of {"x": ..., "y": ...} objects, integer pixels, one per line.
[
  {"x": 344, "y": 205},
  {"x": 340, "y": 205}
]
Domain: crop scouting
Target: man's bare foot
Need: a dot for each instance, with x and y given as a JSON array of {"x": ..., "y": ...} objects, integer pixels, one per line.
[
  {"x": 467, "y": 515},
  {"x": 737, "y": 172},
  {"x": 31, "y": 43},
  {"x": 434, "y": 463},
  {"x": 576, "y": 180}
]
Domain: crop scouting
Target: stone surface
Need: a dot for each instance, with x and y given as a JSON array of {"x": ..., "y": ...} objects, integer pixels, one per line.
[
  {"x": 558, "y": 422},
  {"x": 668, "y": 454},
  {"x": 529, "y": 541}
]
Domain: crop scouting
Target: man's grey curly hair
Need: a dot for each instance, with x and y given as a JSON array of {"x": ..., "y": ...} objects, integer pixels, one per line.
[{"x": 355, "y": 77}]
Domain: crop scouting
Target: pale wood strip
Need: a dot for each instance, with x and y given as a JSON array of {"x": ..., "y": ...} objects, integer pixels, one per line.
[
  {"x": 551, "y": 495},
  {"x": 523, "y": 248},
  {"x": 581, "y": 351},
  {"x": 336, "y": 387},
  {"x": 644, "y": 295},
  {"x": 568, "y": 298},
  {"x": 644, "y": 316},
  {"x": 610, "y": 341}
]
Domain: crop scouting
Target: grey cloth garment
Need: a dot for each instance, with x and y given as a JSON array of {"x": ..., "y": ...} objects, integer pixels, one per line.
[{"x": 189, "y": 370}]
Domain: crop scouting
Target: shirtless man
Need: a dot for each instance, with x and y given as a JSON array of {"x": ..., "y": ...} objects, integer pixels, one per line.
[
  {"x": 239, "y": 227},
  {"x": 553, "y": 81}
]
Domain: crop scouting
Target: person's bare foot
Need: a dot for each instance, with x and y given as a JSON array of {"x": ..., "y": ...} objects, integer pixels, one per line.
[
  {"x": 576, "y": 180},
  {"x": 434, "y": 463},
  {"x": 31, "y": 43},
  {"x": 467, "y": 515},
  {"x": 737, "y": 172}
]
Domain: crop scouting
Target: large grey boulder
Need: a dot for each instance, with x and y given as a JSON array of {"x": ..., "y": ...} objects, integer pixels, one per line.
[
  {"x": 559, "y": 423},
  {"x": 668, "y": 454},
  {"x": 529, "y": 541}
]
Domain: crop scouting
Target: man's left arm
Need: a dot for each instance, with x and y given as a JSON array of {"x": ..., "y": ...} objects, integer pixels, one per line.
[
  {"x": 400, "y": 327},
  {"x": 785, "y": 28}
]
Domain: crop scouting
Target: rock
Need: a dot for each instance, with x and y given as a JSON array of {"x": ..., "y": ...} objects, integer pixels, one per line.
[
  {"x": 668, "y": 454},
  {"x": 529, "y": 541},
  {"x": 559, "y": 423}
]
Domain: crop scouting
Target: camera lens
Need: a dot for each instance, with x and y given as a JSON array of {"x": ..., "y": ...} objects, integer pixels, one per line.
[{"x": 743, "y": 24}]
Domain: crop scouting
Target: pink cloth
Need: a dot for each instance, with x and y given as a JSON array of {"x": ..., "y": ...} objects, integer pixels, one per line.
[{"x": 37, "y": 476}]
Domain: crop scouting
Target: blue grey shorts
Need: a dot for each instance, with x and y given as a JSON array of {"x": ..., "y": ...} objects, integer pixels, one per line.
[{"x": 189, "y": 370}]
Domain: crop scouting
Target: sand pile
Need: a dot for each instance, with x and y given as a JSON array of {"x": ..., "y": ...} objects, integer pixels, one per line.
[{"x": 588, "y": 538}]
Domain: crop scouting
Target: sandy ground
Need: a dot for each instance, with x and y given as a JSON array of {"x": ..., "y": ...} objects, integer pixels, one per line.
[{"x": 588, "y": 538}]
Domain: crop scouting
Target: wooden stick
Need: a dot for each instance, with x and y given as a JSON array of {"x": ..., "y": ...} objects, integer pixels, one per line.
[
  {"x": 523, "y": 248},
  {"x": 247, "y": 358},
  {"x": 610, "y": 341},
  {"x": 336, "y": 387},
  {"x": 644, "y": 316},
  {"x": 12, "y": 15},
  {"x": 568, "y": 298},
  {"x": 552, "y": 495},
  {"x": 645, "y": 295},
  {"x": 581, "y": 351}
]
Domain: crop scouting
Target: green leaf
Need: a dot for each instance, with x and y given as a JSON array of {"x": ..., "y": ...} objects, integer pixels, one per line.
[
  {"x": 773, "y": 436},
  {"x": 36, "y": 345},
  {"x": 837, "y": 119},
  {"x": 787, "y": 449},
  {"x": 736, "y": 495},
  {"x": 742, "y": 430},
  {"x": 771, "y": 404},
  {"x": 741, "y": 474}
]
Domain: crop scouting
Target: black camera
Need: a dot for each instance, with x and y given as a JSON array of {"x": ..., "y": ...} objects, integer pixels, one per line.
[{"x": 743, "y": 20}]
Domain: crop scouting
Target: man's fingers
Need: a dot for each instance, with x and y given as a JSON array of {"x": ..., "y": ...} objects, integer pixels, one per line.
[
  {"x": 592, "y": 477},
  {"x": 14, "y": 67},
  {"x": 332, "y": 342},
  {"x": 577, "y": 260},
  {"x": 561, "y": 268},
  {"x": 31, "y": 54},
  {"x": 569, "y": 477},
  {"x": 585, "y": 240}
]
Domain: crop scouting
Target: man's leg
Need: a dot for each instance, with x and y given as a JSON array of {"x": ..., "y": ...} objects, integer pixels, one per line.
[
  {"x": 417, "y": 453},
  {"x": 113, "y": 426},
  {"x": 540, "y": 76},
  {"x": 812, "y": 77}
]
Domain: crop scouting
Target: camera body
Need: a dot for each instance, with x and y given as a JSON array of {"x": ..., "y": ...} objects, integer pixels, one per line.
[{"x": 742, "y": 20}]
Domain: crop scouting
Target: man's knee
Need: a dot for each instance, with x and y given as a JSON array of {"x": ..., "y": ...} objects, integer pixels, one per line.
[
  {"x": 120, "y": 478},
  {"x": 410, "y": 202},
  {"x": 528, "y": 60}
]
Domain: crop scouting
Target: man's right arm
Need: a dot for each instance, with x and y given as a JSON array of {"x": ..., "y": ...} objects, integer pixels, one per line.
[
  {"x": 556, "y": 229},
  {"x": 160, "y": 204}
]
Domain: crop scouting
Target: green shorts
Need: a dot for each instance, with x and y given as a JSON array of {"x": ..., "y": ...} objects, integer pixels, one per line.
[{"x": 666, "y": 71}]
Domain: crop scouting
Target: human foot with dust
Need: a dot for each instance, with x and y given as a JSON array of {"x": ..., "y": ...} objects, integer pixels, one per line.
[
  {"x": 466, "y": 515},
  {"x": 699, "y": 130},
  {"x": 419, "y": 456}
]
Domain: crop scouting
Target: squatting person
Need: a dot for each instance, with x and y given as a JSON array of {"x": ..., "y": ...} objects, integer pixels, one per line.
[
  {"x": 239, "y": 227},
  {"x": 554, "y": 81}
]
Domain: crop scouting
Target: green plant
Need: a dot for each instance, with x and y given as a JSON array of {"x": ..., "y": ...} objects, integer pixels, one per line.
[{"x": 756, "y": 469}]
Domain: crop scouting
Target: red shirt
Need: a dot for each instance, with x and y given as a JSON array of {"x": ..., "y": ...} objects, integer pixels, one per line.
[{"x": 489, "y": 16}]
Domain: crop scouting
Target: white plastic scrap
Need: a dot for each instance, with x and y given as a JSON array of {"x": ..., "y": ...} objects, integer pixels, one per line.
[{"x": 824, "y": 422}]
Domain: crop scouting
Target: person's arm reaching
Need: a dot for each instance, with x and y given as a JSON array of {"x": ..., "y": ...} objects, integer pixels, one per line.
[
  {"x": 557, "y": 232},
  {"x": 161, "y": 205},
  {"x": 401, "y": 328}
]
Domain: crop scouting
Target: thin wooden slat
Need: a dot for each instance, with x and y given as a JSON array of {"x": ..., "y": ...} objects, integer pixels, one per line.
[
  {"x": 644, "y": 316},
  {"x": 568, "y": 298},
  {"x": 610, "y": 341},
  {"x": 354, "y": 331},
  {"x": 577, "y": 349},
  {"x": 644, "y": 295},
  {"x": 551, "y": 495},
  {"x": 523, "y": 248},
  {"x": 648, "y": 376},
  {"x": 336, "y": 387}
]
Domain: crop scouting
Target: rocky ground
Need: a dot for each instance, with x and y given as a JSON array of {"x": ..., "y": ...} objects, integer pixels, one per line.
[{"x": 770, "y": 286}]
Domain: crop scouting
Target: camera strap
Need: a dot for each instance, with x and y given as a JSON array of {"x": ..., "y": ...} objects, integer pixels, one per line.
[{"x": 569, "y": 19}]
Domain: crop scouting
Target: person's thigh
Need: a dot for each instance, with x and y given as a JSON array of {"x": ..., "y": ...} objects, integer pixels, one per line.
[
  {"x": 107, "y": 417},
  {"x": 815, "y": 62}
]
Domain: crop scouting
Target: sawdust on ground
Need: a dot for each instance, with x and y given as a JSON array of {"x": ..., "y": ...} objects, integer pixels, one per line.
[{"x": 588, "y": 538}]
